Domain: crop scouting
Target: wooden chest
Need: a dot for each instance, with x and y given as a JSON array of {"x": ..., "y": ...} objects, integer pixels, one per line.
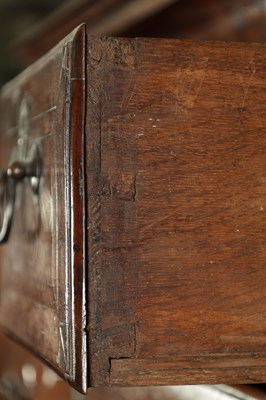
[{"x": 133, "y": 211}]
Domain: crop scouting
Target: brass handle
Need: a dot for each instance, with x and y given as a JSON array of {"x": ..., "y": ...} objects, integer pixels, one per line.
[{"x": 17, "y": 171}]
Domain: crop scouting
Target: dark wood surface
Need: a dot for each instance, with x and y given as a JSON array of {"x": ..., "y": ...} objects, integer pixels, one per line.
[
  {"x": 43, "y": 263},
  {"x": 175, "y": 139},
  {"x": 175, "y": 213}
]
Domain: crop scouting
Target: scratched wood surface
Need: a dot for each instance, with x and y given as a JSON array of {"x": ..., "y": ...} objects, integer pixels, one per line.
[
  {"x": 176, "y": 142},
  {"x": 42, "y": 265}
]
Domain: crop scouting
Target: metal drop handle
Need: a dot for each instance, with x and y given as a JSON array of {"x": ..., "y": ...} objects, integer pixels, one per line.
[
  {"x": 7, "y": 199},
  {"x": 25, "y": 166},
  {"x": 17, "y": 171}
]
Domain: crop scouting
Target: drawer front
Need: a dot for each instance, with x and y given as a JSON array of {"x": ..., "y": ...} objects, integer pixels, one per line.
[{"x": 42, "y": 261}]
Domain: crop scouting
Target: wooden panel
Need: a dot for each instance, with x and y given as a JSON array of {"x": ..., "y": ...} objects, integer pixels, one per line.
[
  {"x": 176, "y": 194},
  {"x": 42, "y": 264}
]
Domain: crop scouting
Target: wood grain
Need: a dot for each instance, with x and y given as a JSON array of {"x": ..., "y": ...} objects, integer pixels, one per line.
[
  {"x": 43, "y": 263},
  {"x": 176, "y": 211}
]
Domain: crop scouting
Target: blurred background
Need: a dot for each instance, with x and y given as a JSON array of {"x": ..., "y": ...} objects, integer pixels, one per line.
[
  {"x": 30, "y": 28},
  {"x": 16, "y": 16}
]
